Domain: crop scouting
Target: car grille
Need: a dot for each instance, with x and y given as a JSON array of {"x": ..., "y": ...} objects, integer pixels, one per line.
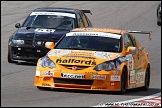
[
  {"x": 78, "y": 67},
  {"x": 28, "y": 42},
  {"x": 73, "y": 81},
  {"x": 36, "y": 42}
]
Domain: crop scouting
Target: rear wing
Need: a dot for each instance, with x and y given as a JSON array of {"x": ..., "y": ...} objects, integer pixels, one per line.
[
  {"x": 87, "y": 11},
  {"x": 142, "y": 32}
]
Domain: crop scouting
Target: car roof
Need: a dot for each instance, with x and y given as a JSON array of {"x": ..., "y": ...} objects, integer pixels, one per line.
[
  {"x": 107, "y": 30},
  {"x": 56, "y": 9}
]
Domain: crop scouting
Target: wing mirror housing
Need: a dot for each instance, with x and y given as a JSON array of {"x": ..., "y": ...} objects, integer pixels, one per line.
[
  {"x": 17, "y": 25},
  {"x": 131, "y": 50},
  {"x": 49, "y": 45}
]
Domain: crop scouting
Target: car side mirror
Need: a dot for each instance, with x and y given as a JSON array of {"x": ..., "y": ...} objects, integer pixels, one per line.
[
  {"x": 17, "y": 25},
  {"x": 131, "y": 50},
  {"x": 49, "y": 45}
]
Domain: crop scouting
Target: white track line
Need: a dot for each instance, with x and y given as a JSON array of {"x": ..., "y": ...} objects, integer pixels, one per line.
[{"x": 133, "y": 100}]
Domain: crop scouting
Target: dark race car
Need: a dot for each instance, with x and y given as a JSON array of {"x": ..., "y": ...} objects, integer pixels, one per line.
[
  {"x": 26, "y": 44},
  {"x": 159, "y": 14}
]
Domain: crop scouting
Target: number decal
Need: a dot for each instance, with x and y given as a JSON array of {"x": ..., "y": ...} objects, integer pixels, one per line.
[
  {"x": 130, "y": 62},
  {"x": 44, "y": 30}
]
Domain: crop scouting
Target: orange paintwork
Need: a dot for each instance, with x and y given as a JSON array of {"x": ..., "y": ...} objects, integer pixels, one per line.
[{"x": 93, "y": 80}]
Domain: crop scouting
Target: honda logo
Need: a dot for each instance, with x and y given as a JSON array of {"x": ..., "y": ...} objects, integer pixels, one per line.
[{"x": 74, "y": 68}]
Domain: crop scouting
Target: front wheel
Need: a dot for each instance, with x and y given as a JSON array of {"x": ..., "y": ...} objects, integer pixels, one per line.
[
  {"x": 123, "y": 82},
  {"x": 9, "y": 57},
  {"x": 158, "y": 23}
]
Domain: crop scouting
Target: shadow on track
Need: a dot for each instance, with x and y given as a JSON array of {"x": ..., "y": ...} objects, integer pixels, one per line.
[
  {"x": 131, "y": 92},
  {"x": 26, "y": 63}
]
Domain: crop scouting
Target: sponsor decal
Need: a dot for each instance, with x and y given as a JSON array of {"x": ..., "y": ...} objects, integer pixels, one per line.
[
  {"x": 99, "y": 77},
  {"x": 130, "y": 63},
  {"x": 48, "y": 73},
  {"x": 99, "y": 87},
  {"x": 44, "y": 30},
  {"x": 106, "y": 55},
  {"x": 103, "y": 55},
  {"x": 132, "y": 86},
  {"x": 54, "y": 13},
  {"x": 140, "y": 77},
  {"x": 57, "y": 52},
  {"x": 45, "y": 84},
  {"x": 129, "y": 59},
  {"x": 79, "y": 57},
  {"x": 116, "y": 71},
  {"x": 91, "y": 73},
  {"x": 80, "y": 54},
  {"x": 54, "y": 70},
  {"x": 38, "y": 50},
  {"x": 115, "y": 78},
  {"x": 132, "y": 77},
  {"x": 112, "y": 83},
  {"x": 75, "y": 76},
  {"x": 86, "y": 62},
  {"x": 37, "y": 73},
  {"x": 100, "y": 34}
]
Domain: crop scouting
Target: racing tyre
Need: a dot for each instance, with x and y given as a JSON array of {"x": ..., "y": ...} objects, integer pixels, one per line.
[
  {"x": 123, "y": 82},
  {"x": 158, "y": 23},
  {"x": 147, "y": 80},
  {"x": 9, "y": 57}
]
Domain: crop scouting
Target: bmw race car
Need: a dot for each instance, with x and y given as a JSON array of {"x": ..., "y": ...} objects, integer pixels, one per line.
[
  {"x": 95, "y": 59},
  {"x": 43, "y": 24},
  {"x": 159, "y": 14}
]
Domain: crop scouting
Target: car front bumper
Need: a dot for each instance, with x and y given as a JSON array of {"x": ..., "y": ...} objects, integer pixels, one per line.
[
  {"x": 28, "y": 54},
  {"x": 55, "y": 80}
]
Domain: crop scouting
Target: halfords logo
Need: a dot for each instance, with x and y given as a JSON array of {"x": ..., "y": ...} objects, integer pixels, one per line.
[
  {"x": 87, "y": 62},
  {"x": 75, "y": 76}
]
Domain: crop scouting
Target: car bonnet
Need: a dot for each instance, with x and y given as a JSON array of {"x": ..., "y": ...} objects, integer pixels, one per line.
[{"x": 81, "y": 57}]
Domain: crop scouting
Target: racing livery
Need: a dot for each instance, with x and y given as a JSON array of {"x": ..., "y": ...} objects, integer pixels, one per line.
[
  {"x": 26, "y": 44},
  {"x": 95, "y": 59}
]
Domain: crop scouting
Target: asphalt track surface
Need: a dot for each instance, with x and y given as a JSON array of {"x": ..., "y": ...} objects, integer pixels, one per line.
[{"x": 17, "y": 80}]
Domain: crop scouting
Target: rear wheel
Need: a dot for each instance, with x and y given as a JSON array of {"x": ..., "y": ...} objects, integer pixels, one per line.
[
  {"x": 123, "y": 82},
  {"x": 147, "y": 80}
]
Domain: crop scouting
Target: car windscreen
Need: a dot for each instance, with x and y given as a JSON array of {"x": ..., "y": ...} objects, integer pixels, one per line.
[
  {"x": 109, "y": 43},
  {"x": 53, "y": 20}
]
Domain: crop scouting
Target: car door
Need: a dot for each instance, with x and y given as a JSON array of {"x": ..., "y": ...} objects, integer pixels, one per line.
[
  {"x": 134, "y": 62},
  {"x": 140, "y": 70}
]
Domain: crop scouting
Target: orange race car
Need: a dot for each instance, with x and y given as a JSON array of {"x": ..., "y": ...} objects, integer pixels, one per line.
[{"x": 95, "y": 59}]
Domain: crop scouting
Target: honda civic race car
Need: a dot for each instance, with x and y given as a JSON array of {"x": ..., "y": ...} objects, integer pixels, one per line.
[
  {"x": 95, "y": 59},
  {"x": 43, "y": 24}
]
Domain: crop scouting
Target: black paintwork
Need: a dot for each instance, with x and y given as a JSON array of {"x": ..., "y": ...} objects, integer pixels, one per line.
[
  {"x": 159, "y": 14},
  {"x": 30, "y": 51}
]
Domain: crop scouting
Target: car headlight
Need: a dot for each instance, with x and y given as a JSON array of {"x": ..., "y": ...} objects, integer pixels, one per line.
[
  {"x": 109, "y": 65},
  {"x": 47, "y": 62},
  {"x": 105, "y": 66},
  {"x": 19, "y": 42}
]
